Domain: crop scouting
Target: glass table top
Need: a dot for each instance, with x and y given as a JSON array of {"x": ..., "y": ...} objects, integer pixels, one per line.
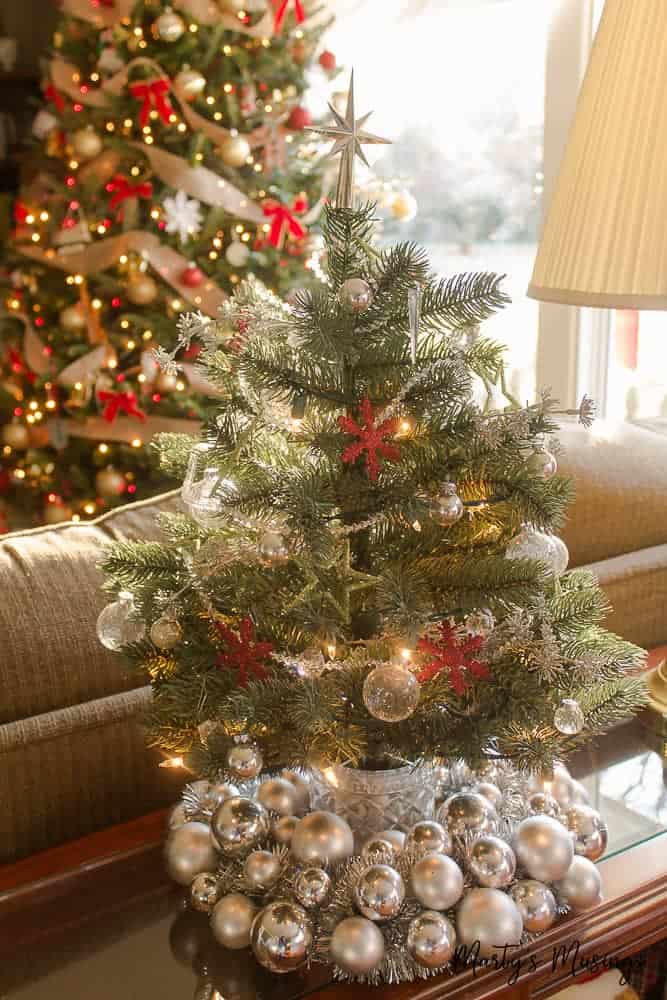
[{"x": 155, "y": 947}]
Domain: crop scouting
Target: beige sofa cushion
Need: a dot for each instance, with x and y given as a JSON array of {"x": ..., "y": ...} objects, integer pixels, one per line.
[
  {"x": 621, "y": 478},
  {"x": 636, "y": 587},
  {"x": 51, "y": 596}
]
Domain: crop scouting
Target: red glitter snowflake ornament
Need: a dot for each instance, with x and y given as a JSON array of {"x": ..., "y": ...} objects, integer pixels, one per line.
[
  {"x": 455, "y": 654},
  {"x": 242, "y": 653},
  {"x": 370, "y": 439}
]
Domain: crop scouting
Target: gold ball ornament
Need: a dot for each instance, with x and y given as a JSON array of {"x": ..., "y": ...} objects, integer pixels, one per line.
[
  {"x": 232, "y": 7},
  {"x": 142, "y": 290},
  {"x": 87, "y": 144},
  {"x": 168, "y": 27},
  {"x": 57, "y": 513},
  {"x": 72, "y": 319},
  {"x": 166, "y": 382},
  {"x": 110, "y": 483},
  {"x": 16, "y": 436},
  {"x": 191, "y": 83},
  {"x": 234, "y": 150},
  {"x": 166, "y": 633}
]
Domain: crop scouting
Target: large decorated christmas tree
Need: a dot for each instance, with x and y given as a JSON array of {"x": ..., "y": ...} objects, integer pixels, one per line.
[
  {"x": 367, "y": 584},
  {"x": 170, "y": 162}
]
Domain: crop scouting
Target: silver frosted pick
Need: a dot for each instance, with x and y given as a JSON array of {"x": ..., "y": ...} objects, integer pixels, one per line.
[
  {"x": 239, "y": 824},
  {"x": 590, "y": 832},
  {"x": 428, "y": 836},
  {"x": 467, "y": 812},
  {"x": 536, "y": 903},
  {"x": 492, "y": 862},
  {"x": 436, "y": 881},
  {"x": 312, "y": 887},
  {"x": 543, "y": 847},
  {"x": 379, "y": 893},
  {"x": 281, "y": 936},
  {"x": 431, "y": 939}
]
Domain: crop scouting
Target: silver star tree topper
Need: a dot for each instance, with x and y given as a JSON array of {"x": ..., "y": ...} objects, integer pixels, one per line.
[{"x": 349, "y": 137}]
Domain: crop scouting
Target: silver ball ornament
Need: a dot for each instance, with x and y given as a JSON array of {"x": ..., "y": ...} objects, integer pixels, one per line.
[
  {"x": 436, "y": 881},
  {"x": 168, "y": 27},
  {"x": 560, "y": 555},
  {"x": 492, "y": 862},
  {"x": 490, "y": 792},
  {"x": 312, "y": 887},
  {"x": 426, "y": 836},
  {"x": 215, "y": 795},
  {"x": 239, "y": 824},
  {"x": 355, "y": 295},
  {"x": 467, "y": 812},
  {"x": 204, "y": 892},
  {"x": 562, "y": 786},
  {"x": 110, "y": 483},
  {"x": 237, "y": 253},
  {"x": 232, "y": 919},
  {"x": 590, "y": 832},
  {"x": 543, "y": 463},
  {"x": 142, "y": 290},
  {"x": 391, "y": 692},
  {"x": 322, "y": 838},
  {"x": 541, "y": 803},
  {"x": 281, "y": 936},
  {"x": 395, "y": 837},
  {"x": 378, "y": 845},
  {"x": 302, "y": 789},
  {"x": 166, "y": 633},
  {"x": 379, "y": 893},
  {"x": 536, "y": 903},
  {"x": 245, "y": 761},
  {"x": 581, "y": 886},
  {"x": 543, "y": 847},
  {"x": 490, "y": 917},
  {"x": 188, "y": 852},
  {"x": 569, "y": 718},
  {"x": 357, "y": 946},
  {"x": 72, "y": 319},
  {"x": 278, "y": 795},
  {"x": 177, "y": 817},
  {"x": 447, "y": 508},
  {"x": 191, "y": 83},
  {"x": 283, "y": 829},
  {"x": 262, "y": 869},
  {"x": 431, "y": 939}
]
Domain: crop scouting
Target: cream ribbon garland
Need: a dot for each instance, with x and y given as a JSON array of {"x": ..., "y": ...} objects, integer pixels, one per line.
[{"x": 202, "y": 11}]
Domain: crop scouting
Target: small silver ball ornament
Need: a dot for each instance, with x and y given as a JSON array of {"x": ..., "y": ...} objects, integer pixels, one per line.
[
  {"x": 239, "y": 824},
  {"x": 490, "y": 917},
  {"x": 204, "y": 892},
  {"x": 312, "y": 887},
  {"x": 590, "y": 832},
  {"x": 543, "y": 804},
  {"x": 543, "y": 847},
  {"x": 395, "y": 837},
  {"x": 431, "y": 939},
  {"x": 391, "y": 692},
  {"x": 355, "y": 295},
  {"x": 281, "y": 936},
  {"x": 322, "y": 838},
  {"x": 232, "y": 919},
  {"x": 379, "y": 893},
  {"x": 262, "y": 869},
  {"x": 467, "y": 812},
  {"x": 245, "y": 761},
  {"x": 492, "y": 862},
  {"x": 436, "y": 881},
  {"x": 302, "y": 788},
  {"x": 447, "y": 508},
  {"x": 581, "y": 886},
  {"x": 378, "y": 845},
  {"x": 168, "y": 27},
  {"x": 215, "y": 795},
  {"x": 427, "y": 836},
  {"x": 357, "y": 946},
  {"x": 278, "y": 795},
  {"x": 491, "y": 792},
  {"x": 543, "y": 463},
  {"x": 283, "y": 829},
  {"x": 189, "y": 851},
  {"x": 536, "y": 903},
  {"x": 166, "y": 633}
]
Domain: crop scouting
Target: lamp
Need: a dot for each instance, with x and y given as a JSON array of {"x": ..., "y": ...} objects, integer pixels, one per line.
[{"x": 604, "y": 242}]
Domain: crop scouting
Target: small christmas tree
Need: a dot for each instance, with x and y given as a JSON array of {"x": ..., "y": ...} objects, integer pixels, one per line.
[{"x": 171, "y": 162}]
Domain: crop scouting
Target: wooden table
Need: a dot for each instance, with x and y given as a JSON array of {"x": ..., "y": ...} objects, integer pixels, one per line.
[{"x": 98, "y": 918}]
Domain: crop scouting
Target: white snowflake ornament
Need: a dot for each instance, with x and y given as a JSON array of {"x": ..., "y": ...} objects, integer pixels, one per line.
[{"x": 183, "y": 216}]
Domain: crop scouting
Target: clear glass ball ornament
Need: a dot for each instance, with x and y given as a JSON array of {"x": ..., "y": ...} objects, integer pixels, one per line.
[
  {"x": 561, "y": 555},
  {"x": 447, "y": 508},
  {"x": 355, "y": 295},
  {"x": 543, "y": 463},
  {"x": 166, "y": 632},
  {"x": 203, "y": 489},
  {"x": 531, "y": 543},
  {"x": 272, "y": 548},
  {"x": 391, "y": 692},
  {"x": 117, "y": 624},
  {"x": 569, "y": 718}
]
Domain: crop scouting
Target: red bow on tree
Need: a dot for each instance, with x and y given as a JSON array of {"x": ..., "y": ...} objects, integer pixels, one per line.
[
  {"x": 21, "y": 212},
  {"x": 19, "y": 366},
  {"x": 242, "y": 653},
  {"x": 281, "y": 13},
  {"x": 371, "y": 439},
  {"x": 120, "y": 402},
  {"x": 153, "y": 95},
  {"x": 283, "y": 220},
  {"x": 122, "y": 189},
  {"x": 456, "y": 655},
  {"x": 53, "y": 95}
]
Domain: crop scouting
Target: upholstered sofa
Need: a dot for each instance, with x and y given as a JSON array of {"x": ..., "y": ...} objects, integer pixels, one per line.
[{"x": 72, "y": 755}]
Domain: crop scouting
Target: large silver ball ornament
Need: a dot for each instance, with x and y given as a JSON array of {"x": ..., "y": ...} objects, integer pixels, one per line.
[
  {"x": 378, "y": 845},
  {"x": 189, "y": 851},
  {"x": 428, "y": 836},
  {"x": 357, "y": 946},
  {"x": 262, "y": 869},
  {"x": 543, "y": 847},
  {"x": 431, "y": 939},
  {"x": 355, "y": 295},
  {"x": 232, "y": 919},
  {"x": 490, "y": 917},
  {"x": 281, "y": 936},
  {"x": 283, "y": 829},
  {"x": 302, "y": 788},
  {"x": 581, "y": 886},
  {"x": 492, "y": 862},
  {"x": 536, "y": 903},
  {"x": 245, "y": 761},
  {"x": 467, "y": 812},
  {"x": 312, "y": 887},
  {"x": 436, "y": 881},
  {"x": 204, "y": 892},
  {"x": 239, "y": 824},
  {"x": 278, "y": 795},
  {"x": 590, "y": 832},
  {"x": 322, "y": 838},
  {"x": 379, "y": 893}
]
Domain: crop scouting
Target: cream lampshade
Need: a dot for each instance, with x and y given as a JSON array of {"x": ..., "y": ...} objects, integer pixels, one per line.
[{"x": 604, "y": 242}]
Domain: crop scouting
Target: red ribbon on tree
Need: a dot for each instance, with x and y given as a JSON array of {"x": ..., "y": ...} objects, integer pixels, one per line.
[
  {"x": 281, "y": 13},
  {"x": 283, "y": 220},
  {"x": 122, "y": 189},
  {"x": 242, "y": 653},
  {"x": 56, "y": 98},
  {"x": 119, "y": 402},
  {"x": 154, "y": 95}
]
